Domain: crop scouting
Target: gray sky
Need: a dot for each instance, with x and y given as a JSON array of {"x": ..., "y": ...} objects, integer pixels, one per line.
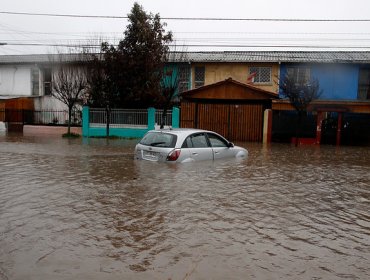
[{"x": 18, "y": 31}]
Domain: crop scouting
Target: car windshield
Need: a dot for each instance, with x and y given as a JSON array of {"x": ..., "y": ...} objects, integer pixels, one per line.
[{"x": 159, "y": 139}]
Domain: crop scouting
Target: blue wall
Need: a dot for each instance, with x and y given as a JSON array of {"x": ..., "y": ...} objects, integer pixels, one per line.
[{"x": 337, "y": 81}]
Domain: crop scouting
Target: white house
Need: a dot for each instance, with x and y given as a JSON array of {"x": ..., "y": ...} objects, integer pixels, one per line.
[{"x": 31, "y": 76}]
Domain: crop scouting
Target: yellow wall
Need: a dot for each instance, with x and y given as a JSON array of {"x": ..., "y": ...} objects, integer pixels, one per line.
[{"x": 216, "y": 72}]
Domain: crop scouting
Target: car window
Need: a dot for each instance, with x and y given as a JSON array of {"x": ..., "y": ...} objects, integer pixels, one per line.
[
  {"x": 198, "y": 140},
  {"x": 216, "y": 141},
  {"x": 187, "y": 143},
  {"x": 159, "y": 139}
]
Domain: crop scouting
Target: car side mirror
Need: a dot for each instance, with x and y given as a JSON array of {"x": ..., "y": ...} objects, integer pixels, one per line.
[{"x": 230, "y": 145}]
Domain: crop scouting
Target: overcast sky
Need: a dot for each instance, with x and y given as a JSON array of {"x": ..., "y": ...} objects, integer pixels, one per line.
[{"x": 20, "y": 32}]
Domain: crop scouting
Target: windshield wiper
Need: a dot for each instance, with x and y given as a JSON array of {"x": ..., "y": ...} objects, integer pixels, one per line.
[{"x": 157, "y": 143}]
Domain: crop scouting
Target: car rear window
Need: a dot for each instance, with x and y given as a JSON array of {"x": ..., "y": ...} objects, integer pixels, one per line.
[{"x": 159, "y": 139}]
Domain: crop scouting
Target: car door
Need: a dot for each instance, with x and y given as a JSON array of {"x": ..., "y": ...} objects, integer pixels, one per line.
[
  {"x": 198, "y": 147},
  {"x": 220, "y": 146}
]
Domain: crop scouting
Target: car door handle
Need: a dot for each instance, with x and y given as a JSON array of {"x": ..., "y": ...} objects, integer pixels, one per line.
[{"x": 194, "y": 154}]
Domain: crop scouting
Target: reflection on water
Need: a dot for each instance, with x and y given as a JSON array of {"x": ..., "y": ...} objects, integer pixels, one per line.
[{"x": 84, "y": 209}]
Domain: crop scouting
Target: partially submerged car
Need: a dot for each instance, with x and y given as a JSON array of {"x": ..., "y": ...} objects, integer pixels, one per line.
[{"x": 186, "y": 145}]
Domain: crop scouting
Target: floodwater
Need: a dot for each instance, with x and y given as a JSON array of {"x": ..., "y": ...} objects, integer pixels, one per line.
[{"x": 84, "y": 209}]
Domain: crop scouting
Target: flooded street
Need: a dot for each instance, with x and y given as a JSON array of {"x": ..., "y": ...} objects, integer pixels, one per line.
[{"x": 84, "y": 209}]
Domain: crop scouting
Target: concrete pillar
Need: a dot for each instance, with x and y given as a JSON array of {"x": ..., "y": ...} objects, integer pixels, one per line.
[
  {"x": 2, "y": 126},
  {"x": 85, "y": 121},
  {"x": 175, "y": 117},
  {"x": 267, "y": 126},
  {"x": 151, "y": 118}
]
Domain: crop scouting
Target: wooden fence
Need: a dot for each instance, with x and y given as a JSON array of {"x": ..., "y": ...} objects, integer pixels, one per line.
[
  {"x": 12, "y": 110},
  {"x": 237, "y": 122},
  {"x": 2, "y": 112}
]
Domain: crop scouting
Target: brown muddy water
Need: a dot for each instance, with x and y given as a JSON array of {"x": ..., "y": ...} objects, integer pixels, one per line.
[{"x": 75, "y": 209}]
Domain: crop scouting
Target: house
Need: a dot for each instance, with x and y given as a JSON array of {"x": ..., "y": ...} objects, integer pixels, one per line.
[
  {"x": 30, "y": 76},
  {"x": 342, "y": 112},
  {"x": 344, "y": 77},
  {"x": 205, "y": 68},
  {"x": 26, "y": 85}
]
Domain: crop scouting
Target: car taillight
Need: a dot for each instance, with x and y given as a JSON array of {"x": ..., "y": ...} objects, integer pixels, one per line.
[{"x": 174, "y": 155}]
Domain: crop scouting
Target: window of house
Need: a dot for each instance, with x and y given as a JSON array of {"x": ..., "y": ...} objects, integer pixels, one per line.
[
  {"x": 47, "y": 81},
  {"x": 364, "y": 85},
  {"x": 262, "y": 75},
  {"x": 35, "y": 80},
  {"x": 301, "y": 75},
  {"x": 199, "y": 76},
  {"x": 184, "y": 78}
]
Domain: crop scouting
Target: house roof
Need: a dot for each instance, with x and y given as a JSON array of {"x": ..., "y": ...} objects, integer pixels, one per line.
[
  {"x": 41, "y": 58},
  {"x": 229, "y": 89},
  {"x": 280, "y": 56},
  {"x": 217, "y": 56}
]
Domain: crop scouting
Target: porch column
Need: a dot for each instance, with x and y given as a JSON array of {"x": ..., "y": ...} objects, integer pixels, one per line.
[
  {"x": 267, "y": 126},
  {"x": 318, "y": 127},
  {"x": 339, "y": 127}
]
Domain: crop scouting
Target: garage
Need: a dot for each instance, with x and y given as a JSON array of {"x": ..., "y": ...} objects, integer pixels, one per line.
[{"x": 230, "y": 108}]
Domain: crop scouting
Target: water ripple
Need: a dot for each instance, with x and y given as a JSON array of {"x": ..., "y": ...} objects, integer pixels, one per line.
[{"x": 71, "y": 209}]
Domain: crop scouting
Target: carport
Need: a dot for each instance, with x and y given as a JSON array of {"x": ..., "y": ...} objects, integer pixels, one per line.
[{"x": 230, "y": 108}]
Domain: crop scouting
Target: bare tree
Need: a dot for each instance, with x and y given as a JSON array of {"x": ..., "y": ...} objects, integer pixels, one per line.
[
  {"x": 169, "y": 84},
  {"x": 69, "y": 86},
  {"x": 300, "y": 95}
]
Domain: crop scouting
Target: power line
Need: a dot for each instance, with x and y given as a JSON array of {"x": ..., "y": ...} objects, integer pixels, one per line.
[
  {"x": 201, "y": 45},
  {"x": 63, "y": 15},
  {"x": 187, "y": 18},
  {"x": 195, "y": 39},
  {"x": 79, "y": 33},
  {"x": 278, "y": 46}
]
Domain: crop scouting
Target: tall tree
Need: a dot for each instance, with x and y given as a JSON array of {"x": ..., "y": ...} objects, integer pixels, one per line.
[
  {"x": 102, "y": 93},
  {"x": 135, "y": 66},
  {"x": 300, "y": 95},
  {"x": 129, "y": 75}
]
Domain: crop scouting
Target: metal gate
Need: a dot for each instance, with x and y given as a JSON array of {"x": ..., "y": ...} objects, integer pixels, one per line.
[{"x": 237, "y": 122}]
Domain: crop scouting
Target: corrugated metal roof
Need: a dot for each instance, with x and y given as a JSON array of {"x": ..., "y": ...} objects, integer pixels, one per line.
[
  {"x": 41, "y": 58},
  {"x": 261, "y": 56},
  {"x": 211, "y": 56}
]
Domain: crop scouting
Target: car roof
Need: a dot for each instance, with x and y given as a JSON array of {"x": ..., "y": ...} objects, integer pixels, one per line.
[{"x": 180, "y": 130}]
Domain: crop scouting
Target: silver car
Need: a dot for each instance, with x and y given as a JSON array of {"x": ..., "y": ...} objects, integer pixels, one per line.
[{"x": 186, "y": 145}]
